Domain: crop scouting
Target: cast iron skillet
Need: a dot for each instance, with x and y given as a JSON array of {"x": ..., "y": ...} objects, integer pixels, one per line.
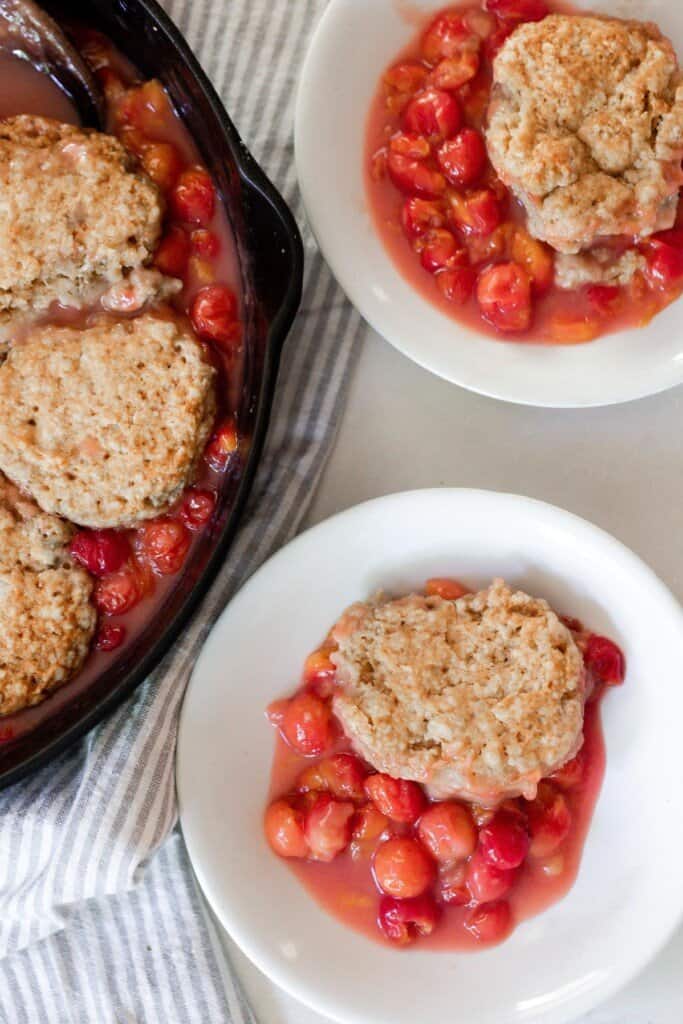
[{"x": 271, "y": 265}]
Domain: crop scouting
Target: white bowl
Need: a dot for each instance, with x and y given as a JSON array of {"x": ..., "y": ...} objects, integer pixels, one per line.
[
  {"x": 353, "y": 44},
  {"x": 628, "y": 896}
]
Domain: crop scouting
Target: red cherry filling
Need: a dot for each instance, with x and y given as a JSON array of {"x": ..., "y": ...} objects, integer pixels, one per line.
[
  {"x": 504, "y": 842},
  {"x": 109, "y": 637},
  {"x": 402, "y": 868},
  {"x": 518, "y": 10},
  {"x": 284, "y": 827},
  {"x": 205, "y": 244},
  {"x": 342, "y": 775},
  {"x": 421, "y": 215},
  {"x": 197, "y": 508},
  {"x": 403, "y": 920},
  {"x": 400, "y": 799},
  {"x": 447, "y": 36},
  {"x": 413, "y": 177},
  {"x": 456, "y": 284},
  {"x": 445, "y": 587},
  {"x": 100, "y": 551},
  {"x": 448, "y": 832},
  {"x": 193, "y": 198},
  {"x": 223, "y": 445},
  {"x": 328, "y": 827},
  {"x": 463, "y": 158},
  {"x": 173, "y": 252},
  {"x": 490, "y": 922},
  {"x": 604, "y": 661},
  {"x": 119, "y": 591},
  {"x": 504, "y": 296},
  {"x": 434, "y": 113},
  {"x": 307, "y": 724},
  {"x": 549, "y": 821},
  {"x": 214, "y": 315},
  {"x": 486, "y": 882},
  {"x": 165, "y": 543},
  {"x": 163, "y": 163}
]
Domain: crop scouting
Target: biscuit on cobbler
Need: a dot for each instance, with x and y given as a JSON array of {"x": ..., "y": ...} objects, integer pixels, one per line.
[
  {"x": 47, "y": 617},
  {"x": 478, "y": 698},
  {"x": 75, "y": 214},
  {"x": 586, "y": 127},
  {"x": 105, "y": 426}
]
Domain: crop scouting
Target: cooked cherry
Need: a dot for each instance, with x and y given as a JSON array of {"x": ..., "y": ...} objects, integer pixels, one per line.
[
  {"x": 100, "y": 551},
  {"x": 401, "y": 83},
  {"x": 193, "y": 198},
  {"x": 535, "y": 257},
  {"x": 409, "y": 144},
  {"x": 603, "y": 297},
  {"x": 307, "y": 724},
  {"x": 342, "y": 775},
  {"x": 445, "y": 587},
  {"x": 463, "y": 158},
  {"x": 604, "y": 660},
  {"x": 454, "y": 72},
  {"x": 518, "y": 10},
  {"x": 414, "y": 178},
  {"x": 403, "y": 920},
  {"x": 486, "y": 882},
  {"x": 433, "y": 112},
  {"x": 490, "y": 922},
  {"x": 319, "y": 673},
  {"x": 328, "y": 827},
  {"x": 223, "y": 445},
  {"x": 478, "y": 213},
  {"x": 163, "y": 164},
  {"x": 447, "y": 36},
  {"x": 439, "y": 249},
  {"x": 504, "y": 842},
  {"x": 109, "y": 637},
  {"x": 119, "y": 592},
  {"x": 448, "y": 832},
  {"x": 453, "y": 885},
  {"x": 165, "y": 543},
  {"x": 421, "y": 215},
  {"x": 214, "y": 315},
  {"x": 402, "y": 867},
  {"x": 549, "y": 821},
  {"x": 197, "y": 508},
  {"x": 284, "y": 827},
  {"x": 456, "y": 284},
  {"x": 504, "y": 296},
  {"x": 173, "y": 252},
  {"x": 400, "y": 799},
  {"x": 205, "y": 243},
  {"x": 369, "y": 825}
]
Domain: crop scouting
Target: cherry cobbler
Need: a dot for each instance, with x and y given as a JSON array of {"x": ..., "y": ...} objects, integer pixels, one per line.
[
  {"x": 121, "y": 367},
  {"x": 524, "y": 168},
  {"x": 436, "y": 772}
]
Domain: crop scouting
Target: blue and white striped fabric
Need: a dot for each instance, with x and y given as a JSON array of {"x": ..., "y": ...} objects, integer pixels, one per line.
[{"x": 100, "y": 921}]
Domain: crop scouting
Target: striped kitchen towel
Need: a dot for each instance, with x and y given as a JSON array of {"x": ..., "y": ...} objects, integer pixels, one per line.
[{"x": 100, "y": 921}]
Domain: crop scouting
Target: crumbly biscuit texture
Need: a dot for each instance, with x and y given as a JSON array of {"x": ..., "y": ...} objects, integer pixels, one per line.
[
  {"x": 586, "y": 127},
  {"x": 75, "y": 213},
  {"x": 478, "y": 698},
  {"x": 47, "y": 625},
  {"x": 47, "y": 617},
  {"x": 599, "y": 266},
  {"x": 105, "y": 426}
]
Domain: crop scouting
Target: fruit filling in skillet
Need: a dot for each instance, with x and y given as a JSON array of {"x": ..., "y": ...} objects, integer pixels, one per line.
[
  {"x": 121, "y": 368},
  {"x": 523, "y": 169},
  {"x": 436, "y": 772}
]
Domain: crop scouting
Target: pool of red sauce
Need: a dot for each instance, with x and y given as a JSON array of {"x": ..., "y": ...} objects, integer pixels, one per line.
[
  {"x": 25, "y": 90},
  {"x": 345, "y": 887},
  {"x": 572, "y": 308}
]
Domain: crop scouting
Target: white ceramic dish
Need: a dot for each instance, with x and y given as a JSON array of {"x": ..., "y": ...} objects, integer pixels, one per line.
[
  {"x": 628, "y": 897},
  {"x": 354, "y": 42}
]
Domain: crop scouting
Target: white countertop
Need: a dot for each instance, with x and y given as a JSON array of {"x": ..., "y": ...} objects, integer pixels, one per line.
[{"x": 620, "y": 467}]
